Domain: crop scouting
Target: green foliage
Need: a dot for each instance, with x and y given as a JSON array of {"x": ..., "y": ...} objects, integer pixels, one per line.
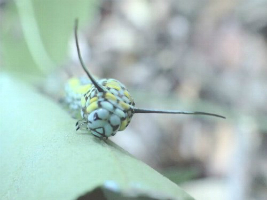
[
  {"x": 42, "y": 157},
  {"x": 181, "y": 175},
  {"x": 35, "y": 34}
]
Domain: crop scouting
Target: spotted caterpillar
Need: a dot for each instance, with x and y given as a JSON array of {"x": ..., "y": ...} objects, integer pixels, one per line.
[{"x": 106, "y": 105}]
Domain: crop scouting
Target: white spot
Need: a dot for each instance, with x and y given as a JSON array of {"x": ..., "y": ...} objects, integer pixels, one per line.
[
  {"x": 108, "y": 130},
  {"x": 103, "y": 113},
  {"x": 115, "y": 120},
  {"x": 120, "y": 113},
  {"x": 113, "y": 91},
  {"x": 99, "y": 130},
  {"x": 107, "y": 105}
]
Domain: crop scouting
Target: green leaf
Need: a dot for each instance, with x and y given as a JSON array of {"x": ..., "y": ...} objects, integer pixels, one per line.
[
  {"x": 181, "y": 175},
  {"x": 35, "y": 34},
  {"x": 42, "y": 157}
]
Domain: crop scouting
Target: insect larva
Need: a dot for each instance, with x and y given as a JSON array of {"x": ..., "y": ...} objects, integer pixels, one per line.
[{"x": 107, "y": 106}]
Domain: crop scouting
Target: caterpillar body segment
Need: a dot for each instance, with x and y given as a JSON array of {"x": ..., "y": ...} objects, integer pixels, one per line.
[
  {"x": 75, "y": 88},
  {"x": 106, "y": 105}
]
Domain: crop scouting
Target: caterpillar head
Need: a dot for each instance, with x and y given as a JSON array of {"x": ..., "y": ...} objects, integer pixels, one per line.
[
  {"x": 107, "y": 107},
  {"x": 108, "y": 111}
]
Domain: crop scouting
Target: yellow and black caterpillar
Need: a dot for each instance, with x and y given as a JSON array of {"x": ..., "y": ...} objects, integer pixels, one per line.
[{"x": 106, "y": 105}]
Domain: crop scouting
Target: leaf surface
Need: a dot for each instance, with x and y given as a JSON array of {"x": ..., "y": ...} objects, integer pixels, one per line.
[{"x": 42, "y": 157}]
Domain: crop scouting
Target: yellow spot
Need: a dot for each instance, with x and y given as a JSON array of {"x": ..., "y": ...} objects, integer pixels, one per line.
[
  {"x": 114, "y": 85},
  {"x": 84, "y": 88},
  {"x": 124, "y": 105},
  {"x": 83, "y": 101},
  {"x": 123, "y": 125},
  {"x": 110, "y": 96},
  {"x": 93, "y": 99},
  {"x": 91, "y": 107},
  {"x": 126, "y": 93},
  {"x": 74, "y": 82}
]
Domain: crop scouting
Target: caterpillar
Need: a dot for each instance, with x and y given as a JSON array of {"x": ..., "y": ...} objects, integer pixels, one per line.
[{"x": 106, "y": 105}]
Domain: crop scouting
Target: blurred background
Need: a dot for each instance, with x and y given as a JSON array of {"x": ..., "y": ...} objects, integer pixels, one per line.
[{"x": 199, "y": 55}]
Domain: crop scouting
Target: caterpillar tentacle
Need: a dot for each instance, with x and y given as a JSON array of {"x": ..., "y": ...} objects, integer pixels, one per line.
[
  {"x": 99, "y": 87},
  {"x": 139, "y": 110}
]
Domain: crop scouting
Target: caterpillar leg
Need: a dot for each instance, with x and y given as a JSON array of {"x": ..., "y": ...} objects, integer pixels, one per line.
[{"x": 81, "y": 124}]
